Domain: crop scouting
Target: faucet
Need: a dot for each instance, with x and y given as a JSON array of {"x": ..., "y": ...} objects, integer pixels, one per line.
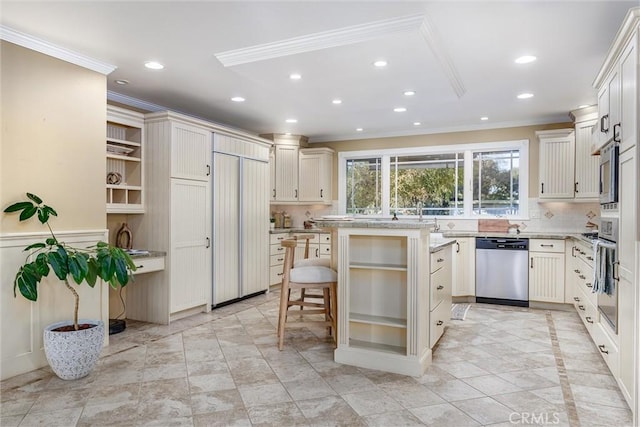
[
  {"x": 436, "y": 227},
  {"x": 419, "y": 209}
]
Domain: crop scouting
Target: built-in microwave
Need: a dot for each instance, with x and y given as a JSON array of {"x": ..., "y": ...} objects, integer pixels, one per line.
[{"x": 609, "y": 173}]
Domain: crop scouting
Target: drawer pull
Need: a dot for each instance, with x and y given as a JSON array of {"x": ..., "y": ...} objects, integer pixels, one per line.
[
  {"x": 542, "y": 245},
  {"x": 588, "y": 285},
  {"x": 588, "y": 319},
  {"x": 590, "y": 258},
  {"x": 576, "y": 271},
  {"x": 279, "y": 238},
  {"x": 280, "y": 274},
  {"x": 602, "y": 349},
  {"x": 582, "y": 277},
  {"x": 440, "y": 260},
  {"x": 581, "y": 307},
  {"x": 280, "y": 259},
  {"x": 576, "y": 299},
  {"x": 281, "y": 249},
  {"x": 439, "y": 288},
  {"x": 139, "y": 266},
  {"x": 439, "y": 323}
]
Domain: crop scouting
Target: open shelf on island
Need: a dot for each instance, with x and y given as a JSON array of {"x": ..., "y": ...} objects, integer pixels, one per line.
[
  {"x": 386, "y": 348},
  {"x": 378, "y": 320},
  {"x": 378, "y": 266}
]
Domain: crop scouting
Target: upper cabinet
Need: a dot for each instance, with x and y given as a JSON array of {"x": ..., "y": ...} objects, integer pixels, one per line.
[
  {"x": 567, "y": 170},
  {"x": 190, "y": 152},
  {"x": 299, "y": 175},
  {"x": 125, "y": 162},
  {"x": 314, "y": 172}
]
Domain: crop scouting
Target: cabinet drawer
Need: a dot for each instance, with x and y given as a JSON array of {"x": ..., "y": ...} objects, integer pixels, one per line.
[
  {"x": 315, "y": 237},
  {"x": 276, "y": 238},
  {"x": 607, "y": 348},
  {"x": 586, "y": 310},
  {"x": 325, "y": 250},
  {"x": 546, "y": 245},
  {"x": 439, "y": 318},
  {"x": 440, "y": 258},
  {"x": 147, "y": 265},
  {"x": 325, "y": 238},
  {"x": 583, "y": 281},
  {"x": 276, "y": 260},
  {"x": 583, "y": 253},
  {"x": 276, "y": 249},
  {"x": 275, "y": 275},
  {"x": 440, "y": 286}
]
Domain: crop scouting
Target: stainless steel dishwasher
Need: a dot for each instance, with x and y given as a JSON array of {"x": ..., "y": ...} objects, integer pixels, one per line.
[{"x": 502, "y": 276}]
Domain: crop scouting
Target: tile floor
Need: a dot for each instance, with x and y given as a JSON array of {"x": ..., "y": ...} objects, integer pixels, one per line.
[{"x": 501, "y": 366}]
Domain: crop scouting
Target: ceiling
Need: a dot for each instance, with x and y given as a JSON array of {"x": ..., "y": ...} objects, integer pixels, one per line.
[{"x": 457, "y": 56}]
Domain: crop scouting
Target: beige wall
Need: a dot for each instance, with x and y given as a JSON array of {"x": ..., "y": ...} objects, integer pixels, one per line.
[
  {"x": 490, "y": 135},
  {"x": 53, "y": 116}
]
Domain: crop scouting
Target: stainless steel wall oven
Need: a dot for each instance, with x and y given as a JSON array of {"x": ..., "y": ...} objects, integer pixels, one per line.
[{"x": 606, "y": 271}]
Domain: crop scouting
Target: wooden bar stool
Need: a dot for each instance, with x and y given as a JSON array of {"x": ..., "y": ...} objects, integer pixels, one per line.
[
  {"x": 307, "y": 277},
  {"x": 305, "y": 262}
]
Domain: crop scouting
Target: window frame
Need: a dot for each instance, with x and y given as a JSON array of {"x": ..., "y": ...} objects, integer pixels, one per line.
[{"x": 469, "y": 149}]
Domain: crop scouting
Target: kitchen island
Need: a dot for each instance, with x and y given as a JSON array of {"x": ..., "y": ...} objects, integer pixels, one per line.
[{"x": 394, "y": 293}]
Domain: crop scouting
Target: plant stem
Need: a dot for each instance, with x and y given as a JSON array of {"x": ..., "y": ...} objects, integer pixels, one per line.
[
  {"x": 51, "y": 231},
  {"x": 75, "y": 309}
]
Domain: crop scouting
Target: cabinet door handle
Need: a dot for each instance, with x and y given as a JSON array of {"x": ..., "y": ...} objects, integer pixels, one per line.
[
  {"x": 321, "y": 193},
  {"x": 531, "y": 265},
  {"x": 296, "y": 193},
  {"x": 439, "y": 288},
  {"x": 317, "y": 253},
  {"x": 603, "y": 349},
  {"x": 457, "y": 247},
  {"x": 575, "y": 187},
  {"x": 274, "y": 193},
  {"x": 603, "y": 119},
  {"x": 542, "y": 188},
  {"x": 208, "y": 170},
  {"x": 588, "y": 319},
  {"x": 616, "y": 272},
  {"x": 208, "y": 243},
  {"x": 439, "y": 323},
  {"x": 573, "y": 251},
  {"x": 616, "y": 135}
]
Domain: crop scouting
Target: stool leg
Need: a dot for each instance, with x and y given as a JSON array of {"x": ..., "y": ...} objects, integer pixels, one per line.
[
  {"x": 327, "y": 307},
  {"x": 333, "y": 292},
  {"x": 282, "y": 315},
  {"x": 302, "y": 298}
]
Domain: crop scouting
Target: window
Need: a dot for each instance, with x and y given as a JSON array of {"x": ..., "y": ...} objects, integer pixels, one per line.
[
  {"x": 433, "y": 183},
  {"x": 467, "y": 181},
  {"x": 364, "y": 186},
  {"x": 496, "y": 182}
]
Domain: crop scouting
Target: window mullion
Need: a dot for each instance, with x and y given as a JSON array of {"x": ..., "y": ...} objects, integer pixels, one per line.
[
  {"x": 386, "y": 185},
  {"x": 468, "y": 184}
]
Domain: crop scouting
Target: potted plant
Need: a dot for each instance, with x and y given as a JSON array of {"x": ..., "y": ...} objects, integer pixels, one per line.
[{"x": 73, "y": 347}]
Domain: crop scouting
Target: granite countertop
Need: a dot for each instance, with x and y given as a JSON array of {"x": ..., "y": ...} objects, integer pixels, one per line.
[
  {"x": 438, "y": 244},
  {"x": 559, "y": 235},
  {"x": 374, "y": 223},
  {"x": 142, "y": 253},
  {"x": 297, "y": 230}
]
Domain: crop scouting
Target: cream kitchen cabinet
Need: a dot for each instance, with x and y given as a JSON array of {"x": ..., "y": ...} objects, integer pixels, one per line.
[
  {"x": 125, "y": 161},
  {"x": 178, "y": 219},
  {"x": 440, "y": 292},
  {"x": 314, "y": 173},
  {"x": 464, "y": 267},
  {"x": 319, "y": 247},
  {"x": 567, "y": 170},
  {"x": 587, "y": 166},
  {"x": 546, "y": 270},
  {"x": 286, "y": 173}
]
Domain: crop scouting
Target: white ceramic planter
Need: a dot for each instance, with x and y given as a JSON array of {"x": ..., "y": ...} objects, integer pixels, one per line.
[{"x": 74, "y": 354}]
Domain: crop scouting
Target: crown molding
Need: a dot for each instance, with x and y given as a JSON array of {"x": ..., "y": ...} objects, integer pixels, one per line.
[
  {"x": 322, "y": 40},
  {"x": 134, "y": 102},
  {"x": 42, "y": 46},
  {"x": 430, "y": 35}
]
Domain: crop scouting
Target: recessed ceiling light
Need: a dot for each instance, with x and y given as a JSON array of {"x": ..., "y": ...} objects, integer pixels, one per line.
[
  {"x": 122, "y": 82},
  {"x": 399, "y": 109},
  {"x": 153, "y": 65},
  {"x": 525, "y": 59},
  {"x": 484, "y": 118},
  {"x": 359, "y": 129},
  {"x": 291, "y": 120},
  {"x": 337, "y": 101},
  {"x": 238, "y": 99},
  {"x": 380, "y": 64},
  {"x": 417, "y": 123},
  {"x": 525, "y": 95},
  {"x": 409, "y": 93},
  {"x": 295, "y": 76}
]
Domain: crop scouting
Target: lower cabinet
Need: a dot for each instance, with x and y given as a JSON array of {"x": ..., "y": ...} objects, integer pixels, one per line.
[
  {"x": 440, "y": 292},
  {"x": 546, "y": 270},
  {"x": 319, "y": 247},
  {"x": 464, "y": 267}
]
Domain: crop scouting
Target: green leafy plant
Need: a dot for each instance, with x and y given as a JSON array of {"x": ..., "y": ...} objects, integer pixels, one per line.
[{"x": 111, "y": 264}]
